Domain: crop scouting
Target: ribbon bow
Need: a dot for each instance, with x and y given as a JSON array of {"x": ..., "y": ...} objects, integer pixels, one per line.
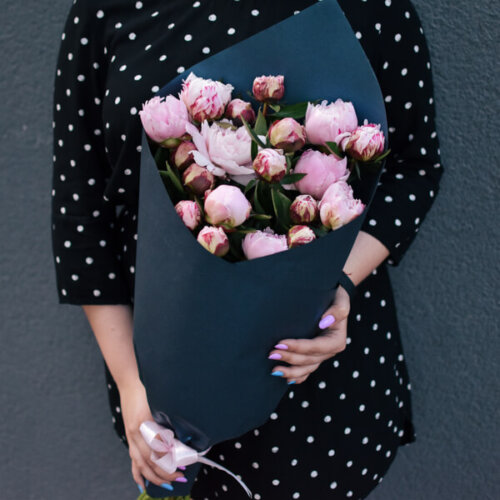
[{"x": 169, "y": 453}]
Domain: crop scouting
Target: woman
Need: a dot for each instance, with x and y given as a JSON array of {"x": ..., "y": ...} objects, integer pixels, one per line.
[{"x": 348, "y": 408}]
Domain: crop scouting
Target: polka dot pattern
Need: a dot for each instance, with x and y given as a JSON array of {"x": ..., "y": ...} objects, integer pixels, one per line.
[{"x": 335, "y": 435}]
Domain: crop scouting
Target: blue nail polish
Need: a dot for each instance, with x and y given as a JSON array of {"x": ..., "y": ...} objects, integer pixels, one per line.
[
  {"x": 167, "y": 486},
  {"x": 140, "y": 488},
  {"x": 277, "y": 373},
  {"x": 291, "y": 382}
]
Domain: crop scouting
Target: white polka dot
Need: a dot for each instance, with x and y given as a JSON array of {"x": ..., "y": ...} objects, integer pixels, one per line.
[
  {"x": 100, "y": 14},
  {"x": 212, "y": 17},
  {"x": 206, "y": 50},
  {"x": 255, "y": 12},
  {"x": 188, "y": 37},
  {"x": 397, "y": 37},
  {"x": 111, "y": 276},
  {"x": 347, "y": 430},
  {"x": 275, "y": 482},
  {"x": 97, "y": 293},
  {"x": 137, "y": 77},
  {"x": 231, "y": 31},
  {"x": 314, "y": 473},
  {"x": 333, "y": 485},
  {"x": 138, "y": 5}
]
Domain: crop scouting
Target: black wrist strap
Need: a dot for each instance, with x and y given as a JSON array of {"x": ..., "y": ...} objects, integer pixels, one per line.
[{"x": 347, "y": 284}]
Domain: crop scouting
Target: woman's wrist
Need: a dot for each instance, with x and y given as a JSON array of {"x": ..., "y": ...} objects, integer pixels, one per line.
[{"x": 366, "y": 255}]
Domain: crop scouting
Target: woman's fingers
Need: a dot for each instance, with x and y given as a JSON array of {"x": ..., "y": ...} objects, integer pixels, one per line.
[{"x": 137, "y": 476}]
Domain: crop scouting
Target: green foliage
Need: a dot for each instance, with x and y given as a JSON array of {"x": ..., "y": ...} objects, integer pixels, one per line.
[
  {"x": 291, "y": 178},
  {"x": 296, "y": 111},
  {"x": 281, "y": 205},
  {"x": 260, "y": 124},
  {"x": 334, "y": 148},
  {"x": 252, "y": 133}
]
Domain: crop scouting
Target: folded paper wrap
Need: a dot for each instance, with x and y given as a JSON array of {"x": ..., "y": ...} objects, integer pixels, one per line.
[{"x": 203, "y": 326}]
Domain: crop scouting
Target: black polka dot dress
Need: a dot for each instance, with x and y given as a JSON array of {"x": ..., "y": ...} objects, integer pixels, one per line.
[{"x": 335, "y": 435}]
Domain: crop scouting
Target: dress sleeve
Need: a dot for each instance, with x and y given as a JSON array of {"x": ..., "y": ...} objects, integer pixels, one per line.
[
  {"x": 410, "y": 180},
  {"x": 83, "y": 220}
]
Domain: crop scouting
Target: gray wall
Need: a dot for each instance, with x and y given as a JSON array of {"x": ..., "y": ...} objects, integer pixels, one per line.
[{"x": 55, "y": 429}]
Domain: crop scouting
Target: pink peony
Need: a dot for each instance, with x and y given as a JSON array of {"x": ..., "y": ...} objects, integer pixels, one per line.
[
  {"x": 287, "y": 134},
  {"x": 182, "y": 157},
  {"x": 237, "y": 109},
  {"x": 189, "y": 212},
  {"x": 227, "y": 206},
  {"x": 326, "y": 122},
  {"x": 214, "y": 239},
  {"x": 270, "y": 165},
  {"x": 321, "y": 169},
  {"x": 338, "y": 206},
  {"x": 262, "y": 243},
  {"x": 205, "y": 99},
  {"x": 164, "y": 118},
  {"x": 300, "y": 235},
  {"x": 304, "y": 209},
  {"x": 197, "y": 179},
  {"x": 365, "y": 142},
  {"x": 269, "y": 88},
  {"x": 222, "y": 150}
]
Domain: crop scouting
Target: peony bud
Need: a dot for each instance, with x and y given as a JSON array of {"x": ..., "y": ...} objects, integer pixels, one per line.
[
  {"x": 214, "y": 239},
  {"x": 205, "y": 99},
  {"x": 164, "y": 119},
  {"x": 304, "y": 209},
  {"x": 365, "y": 142},
  {"x": 237, "y": 109},
  {"x": 269, "y": 88},
  {"x": 227, "y": 206},
  {"x": 270, "y": 165},
  {"x": 338, "y": 206},
  {"x": 198, "y": 179},
  {"x": 182, "y": 157},
  {"x": 262, "y": 243},
  {"x": 321, "y": 169},
  {"x": 189, "y": 212},
  {"x": 326, "y": 122},
  {"x": 300, "y": 235},
  {"x": 287, "y": 134}
]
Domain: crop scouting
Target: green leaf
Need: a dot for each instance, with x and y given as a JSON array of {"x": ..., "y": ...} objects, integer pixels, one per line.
[
  {"x": 334, "y": 148},
  {"x": 261, "y": 216},
  {"x": 288, "y": 163},
  {"x": 291, "y": 178},
  {"x": 275, "y": 107},
  {"x": 320, "y": 231},
  {"x": 250, "y": 185},
  {"x": 253, "y": 135},
  {"x": 382, "y": 156},
  {"x": 173, "y": 178},
  {"x": 296, "y": 111},
  {"x": 281, "y": 204},
  {"x": 260, "y": 124},
  {"x": 254, "y": 149},
  {"x": 256, "y": 201}
]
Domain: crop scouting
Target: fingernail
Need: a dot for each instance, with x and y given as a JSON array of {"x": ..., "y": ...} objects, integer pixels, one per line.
[
  {"x": 275, "y": 355},
  {"x": 181, "y": 467},
  {"x": 141, "y": 489},
  {"x": 181, "y": 480},
  {"x": 281, "y": 346},
  {"x": 277, "y": 373},
  {"x": 147, "y": 483},
  {"x": 291, "y": 382},
  {"x": 167, "y": 486},
  {"x": 326, "y": 321}
]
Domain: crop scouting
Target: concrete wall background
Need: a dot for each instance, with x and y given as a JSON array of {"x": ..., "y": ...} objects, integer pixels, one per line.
[{"x": 55, "y": 428}]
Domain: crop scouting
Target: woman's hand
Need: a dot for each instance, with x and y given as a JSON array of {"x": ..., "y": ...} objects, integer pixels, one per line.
[
  {"x": 135, "y": 410},
  {"x": 305, "y": 355}
]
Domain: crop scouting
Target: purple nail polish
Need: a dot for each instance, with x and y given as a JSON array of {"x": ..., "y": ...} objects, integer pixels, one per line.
[
  {"x": 281, "y": 346},
  {"x": 181, "y": 467},
  {"x": 181, "y": 480},
  {"x": 275, "y": 355},
  {"x": 326, "y": 321}
]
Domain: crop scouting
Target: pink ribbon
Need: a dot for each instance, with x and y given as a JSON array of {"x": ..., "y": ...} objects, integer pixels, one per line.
[{"x": 169, "y": 453}]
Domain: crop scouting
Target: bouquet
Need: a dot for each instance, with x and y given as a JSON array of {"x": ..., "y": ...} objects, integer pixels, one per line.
[
  {"x": 250, "y": 179},
  {"x": 249, "y": 184}
]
